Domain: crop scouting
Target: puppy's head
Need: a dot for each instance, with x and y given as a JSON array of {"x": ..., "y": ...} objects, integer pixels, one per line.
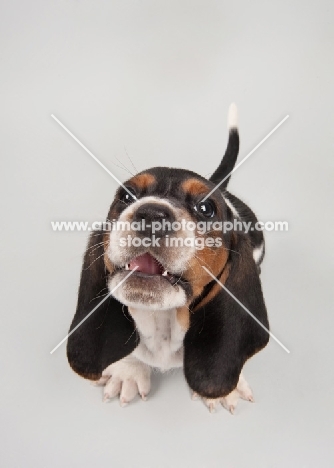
[{"x": 164, "y": 231}]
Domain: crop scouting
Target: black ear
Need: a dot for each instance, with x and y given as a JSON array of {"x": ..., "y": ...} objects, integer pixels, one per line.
[
  {"x": 222, "y": 335},
  {"x": 109, "y": 333}
]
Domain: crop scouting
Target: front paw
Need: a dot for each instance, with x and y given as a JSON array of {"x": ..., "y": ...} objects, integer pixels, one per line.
[
  {"x": 230, "y": 401},
  {"x": 127, "y": 378}
]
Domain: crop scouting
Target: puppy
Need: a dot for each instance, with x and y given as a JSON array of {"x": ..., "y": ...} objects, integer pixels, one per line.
[{"x": 170, "y": 312}]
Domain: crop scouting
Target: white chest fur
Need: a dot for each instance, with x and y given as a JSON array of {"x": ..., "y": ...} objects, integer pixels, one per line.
[{"x": 161, "y": 338}]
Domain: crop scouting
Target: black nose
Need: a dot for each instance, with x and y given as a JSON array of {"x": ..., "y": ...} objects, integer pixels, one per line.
[{"x": 155, "y": 219}]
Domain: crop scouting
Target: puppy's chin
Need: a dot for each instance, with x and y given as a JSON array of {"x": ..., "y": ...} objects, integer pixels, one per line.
[{"x": 147, "y": 291}]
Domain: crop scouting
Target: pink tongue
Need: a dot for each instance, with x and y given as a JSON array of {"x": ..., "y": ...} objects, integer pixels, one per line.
[{"x": 146, "y": 264}]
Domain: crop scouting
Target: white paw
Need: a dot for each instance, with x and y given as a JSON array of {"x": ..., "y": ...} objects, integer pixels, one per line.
[
  {"x": 230, "y": 401},
  {"x": 127, "y": 378}
]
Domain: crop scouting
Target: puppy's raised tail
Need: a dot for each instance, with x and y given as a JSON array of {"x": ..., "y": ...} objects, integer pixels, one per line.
[{"x": 228, "y": 162}]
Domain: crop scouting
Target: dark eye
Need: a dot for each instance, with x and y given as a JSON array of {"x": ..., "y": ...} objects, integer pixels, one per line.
[
  {"x": 128, "y": 196},
  {"x": 206, "y": 208}
]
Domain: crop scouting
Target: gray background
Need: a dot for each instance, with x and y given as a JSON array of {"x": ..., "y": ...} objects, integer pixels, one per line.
[{"x": 157, "y": 77}]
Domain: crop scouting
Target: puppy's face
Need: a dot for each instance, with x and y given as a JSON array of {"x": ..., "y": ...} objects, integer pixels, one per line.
[{"x": 159, "y": 232}]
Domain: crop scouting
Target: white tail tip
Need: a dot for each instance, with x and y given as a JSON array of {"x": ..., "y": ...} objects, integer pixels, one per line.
[{"x": 232, "y": 120}]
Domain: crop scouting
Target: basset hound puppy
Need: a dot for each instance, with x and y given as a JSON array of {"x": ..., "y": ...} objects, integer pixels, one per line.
[{"x": 166, "y": 310}]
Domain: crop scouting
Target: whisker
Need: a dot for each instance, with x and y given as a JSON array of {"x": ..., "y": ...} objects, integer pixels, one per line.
[
  {"x": 124, "y": 167},
  {"x": 94, "y": 261},
  {"x": 130, "y": 160},
  {"x": 95, "y": 246},
  {"x": 99, "y": 295},
  {"x": 122, "y": 201}
]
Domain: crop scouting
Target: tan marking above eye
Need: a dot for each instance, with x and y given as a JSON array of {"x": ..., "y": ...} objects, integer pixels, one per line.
[
  {"x": 143, "y": 181},
  {"x": 194, "y": 187}
]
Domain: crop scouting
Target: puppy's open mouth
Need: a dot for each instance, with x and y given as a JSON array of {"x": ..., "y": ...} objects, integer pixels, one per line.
[{"x": 149, "y": 266}]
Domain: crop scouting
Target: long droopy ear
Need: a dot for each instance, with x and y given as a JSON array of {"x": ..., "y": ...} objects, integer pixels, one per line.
[
  {"x": 109, "y": 333},
  {"x": 222, "y": 335}
]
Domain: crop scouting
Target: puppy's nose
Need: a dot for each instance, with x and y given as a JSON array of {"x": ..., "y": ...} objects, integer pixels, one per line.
[{"x": 155, "y": 219}]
